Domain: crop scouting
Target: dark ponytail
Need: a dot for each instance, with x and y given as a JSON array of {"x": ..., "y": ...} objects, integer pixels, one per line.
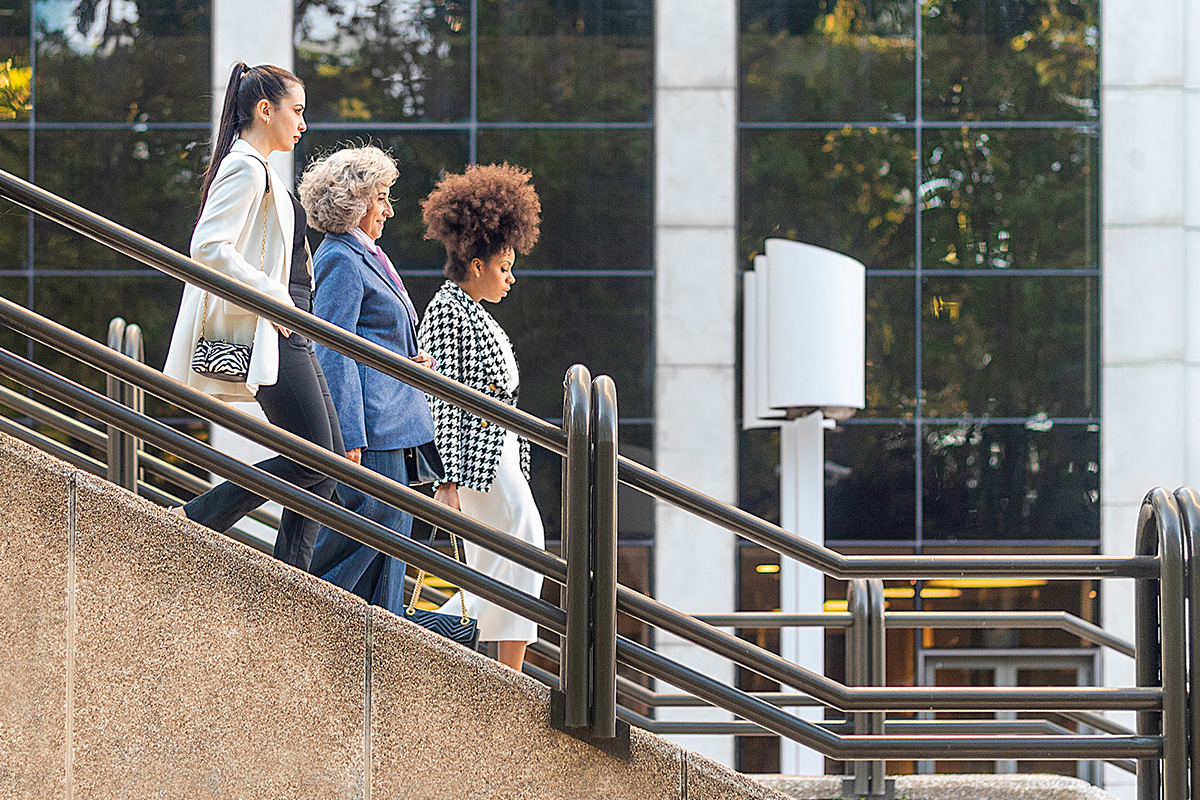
[{"x": 247, "y": 85}]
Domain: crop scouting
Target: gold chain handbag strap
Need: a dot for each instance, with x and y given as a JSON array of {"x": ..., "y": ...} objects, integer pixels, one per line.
[
  {"x": 262, "y": 254},
  {"x": 416, "y": 595}
]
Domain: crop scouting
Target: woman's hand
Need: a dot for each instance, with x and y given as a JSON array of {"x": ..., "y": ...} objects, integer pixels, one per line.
[
  {"x": 355, "y": 455},
  {"x": 284, "y": 332},
  {"x": 425, "y": 360},
  {"x": 447, "y": 495}
]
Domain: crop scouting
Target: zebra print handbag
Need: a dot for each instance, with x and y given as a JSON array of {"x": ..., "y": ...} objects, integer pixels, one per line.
[
  {"x": 461, "y": 629},
  {"x": 221, "y": 360}
]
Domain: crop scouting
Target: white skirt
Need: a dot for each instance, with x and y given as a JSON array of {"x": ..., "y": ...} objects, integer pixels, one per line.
[{"x": 509, "y": 507}]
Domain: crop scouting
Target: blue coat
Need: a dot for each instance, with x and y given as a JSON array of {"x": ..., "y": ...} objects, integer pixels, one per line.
[{"x": 354, "y": 292}]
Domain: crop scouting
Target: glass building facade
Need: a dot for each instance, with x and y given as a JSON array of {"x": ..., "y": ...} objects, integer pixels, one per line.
[
  {"x": 949, "y": 145},
  {"x": 952, "y": 147}
]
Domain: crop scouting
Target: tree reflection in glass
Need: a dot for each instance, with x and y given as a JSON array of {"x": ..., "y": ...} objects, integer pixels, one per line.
[
  {"x": 384, "y": 60},
  {"x": 133, "y": 61},
  {"x": 1012, "y": 482},
  {"x": 1010, "y": 59},
  {"x": 567, "y": 60},
  {"x": 828, "y": 60},
  {"x": 1004, "y": 199}
]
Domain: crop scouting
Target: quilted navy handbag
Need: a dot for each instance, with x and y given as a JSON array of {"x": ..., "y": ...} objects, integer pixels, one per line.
[{"x": 461, "y": 629}]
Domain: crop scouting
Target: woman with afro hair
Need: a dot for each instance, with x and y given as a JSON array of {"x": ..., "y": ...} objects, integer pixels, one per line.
[{"x": 483, "y": 217}]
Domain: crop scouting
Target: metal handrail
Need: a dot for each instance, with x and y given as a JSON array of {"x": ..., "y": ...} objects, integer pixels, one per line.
[
  {"x": 1145, "y": 566},
  {"x": 98, "y": 439},
  {"x": 1188, "y": 501},
  {"x": 644, "y": 608},
  {"x": 381, "y": 538},
  {"x": 834, "y": 564},
  {"x": 1033, "y": 620}
]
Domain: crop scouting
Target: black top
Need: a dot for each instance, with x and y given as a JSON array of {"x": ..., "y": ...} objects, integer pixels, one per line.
[{"x": 300, "y": 282}]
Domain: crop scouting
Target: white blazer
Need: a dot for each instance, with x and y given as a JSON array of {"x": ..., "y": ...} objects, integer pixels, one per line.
[{"x": 229, "y": 238}]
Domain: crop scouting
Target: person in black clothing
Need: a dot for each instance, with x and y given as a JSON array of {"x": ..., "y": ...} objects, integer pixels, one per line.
[{"x": 252, "y": 229}]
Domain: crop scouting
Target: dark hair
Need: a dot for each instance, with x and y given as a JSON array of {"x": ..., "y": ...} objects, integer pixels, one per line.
[
  {"x": 247, "y": 85},
  {"x": 480, "y": 213}
]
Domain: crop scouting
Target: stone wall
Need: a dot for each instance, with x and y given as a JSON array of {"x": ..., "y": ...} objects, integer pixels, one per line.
[{"x": 142, "y": 655}]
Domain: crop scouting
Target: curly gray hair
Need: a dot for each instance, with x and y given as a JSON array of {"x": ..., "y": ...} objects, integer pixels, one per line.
[{"x": 337, "y": 189}]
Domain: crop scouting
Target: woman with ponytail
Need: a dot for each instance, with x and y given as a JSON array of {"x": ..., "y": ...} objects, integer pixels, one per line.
[{"x": 251, "y": 228}]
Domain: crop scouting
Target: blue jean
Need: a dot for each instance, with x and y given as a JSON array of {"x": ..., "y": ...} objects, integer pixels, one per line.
[{"x": 373, "y": 576}]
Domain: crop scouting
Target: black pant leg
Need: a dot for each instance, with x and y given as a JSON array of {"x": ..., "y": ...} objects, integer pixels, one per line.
[{"x": 298, "y": 403}]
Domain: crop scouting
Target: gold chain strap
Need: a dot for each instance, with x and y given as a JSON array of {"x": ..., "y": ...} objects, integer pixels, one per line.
[
  {"x": 262, "y": 257},
  {"x": 416, "y": 595}
]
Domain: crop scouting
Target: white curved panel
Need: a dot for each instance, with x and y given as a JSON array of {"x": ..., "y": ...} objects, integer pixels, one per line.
[{"x": 815, "y": 343}]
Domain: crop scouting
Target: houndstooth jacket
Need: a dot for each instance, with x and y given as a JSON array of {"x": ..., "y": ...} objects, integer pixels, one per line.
[{"x": 455, "y": 331}]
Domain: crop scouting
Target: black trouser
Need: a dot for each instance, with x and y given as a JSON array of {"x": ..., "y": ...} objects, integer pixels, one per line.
[{"x": 299, "y": 402}]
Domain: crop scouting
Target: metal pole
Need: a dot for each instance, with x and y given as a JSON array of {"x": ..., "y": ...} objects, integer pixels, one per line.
[
  {"x": 865, "y": 667},
  {"x": 855, "y": 674},
  {"x": 1161, "y": 655},
  {"x": 603, "y": 431},
  {"x": 115, "y": 391},
  {"x": 877, "y": 783},
  {"x": 1188, "y": 501},
  {"x": 573, "y": 663},
  {"x": 133, "y": 397}
]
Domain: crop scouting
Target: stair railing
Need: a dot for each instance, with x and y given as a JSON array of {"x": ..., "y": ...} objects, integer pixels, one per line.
[{"x": 1147, "y": 698}]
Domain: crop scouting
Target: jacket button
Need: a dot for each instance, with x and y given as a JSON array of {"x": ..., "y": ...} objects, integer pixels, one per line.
[
  {"x": 491, "y": 387},
  {"x": 483, "y": 423}
]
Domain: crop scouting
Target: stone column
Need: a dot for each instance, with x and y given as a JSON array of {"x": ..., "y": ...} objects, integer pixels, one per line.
[
  {"x": 695, "y": 304},
  {"x": 1150, "y": 257},
  {"x": 256, "y": 32}
]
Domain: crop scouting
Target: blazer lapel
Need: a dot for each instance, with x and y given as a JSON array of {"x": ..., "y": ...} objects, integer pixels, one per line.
[
  {"x": 280, "y": 200},
  {"x": 376, "y": 267},
  {"x": 373, "y": 264},
  {"x": 492, "y": 359}
]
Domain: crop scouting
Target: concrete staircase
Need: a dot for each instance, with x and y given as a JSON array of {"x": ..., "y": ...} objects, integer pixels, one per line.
[{"x": 143, "y": 656}]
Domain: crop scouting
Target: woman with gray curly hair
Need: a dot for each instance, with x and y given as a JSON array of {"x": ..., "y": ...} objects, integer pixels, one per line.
[{"x": 384, "y": 422}]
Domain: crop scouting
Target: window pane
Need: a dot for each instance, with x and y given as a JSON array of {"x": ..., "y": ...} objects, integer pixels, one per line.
[
  {"x": 850, "y": 190},
  {"x": 869, "y": 482},
  {"x": 996, "y": 482},
  {"x": 365, "y": 61},
  {"x": 422, "y": 159},
  {"x": 15, "y": 73},
  {"x": 14, "y": 220},
  {"x": 891, "y": 366},
  {"x": 827, "y": 60},
  {"x": 1010, "y": 59},
  {"x": 566, "y": 61},
  {"x": 758, "y": 473},
  {"x": 635, "y": 510},
  {"x": 124, "y": 62},
  {"x": 1010, "y": 347},
  {"x": 596, "y": 188},
  {"x": 16, "y": 290},
  {"x": 603, "y": 323},
  {"x": 147, "y": 181},
  {"x": 1010, "y": 199},
  {"x": 86, "y": 304}
]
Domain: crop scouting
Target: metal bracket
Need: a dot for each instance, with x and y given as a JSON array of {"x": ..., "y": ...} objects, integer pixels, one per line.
[
  {"x": 617, "y": 747},
  {"x": 849, "y": 792}
]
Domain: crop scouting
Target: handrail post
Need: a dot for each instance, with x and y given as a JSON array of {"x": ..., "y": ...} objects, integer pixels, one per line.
[
  {"x": 1161, "y": 652},
  {"x": 115, "y": 389},
  {"x": 866, "y": 666},
  {"x": 574, "y": 674},
  {"x": 134, "y": 397},
  {"x": 603, "y": 434},
  {"x": 1188, "y": 501}
]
